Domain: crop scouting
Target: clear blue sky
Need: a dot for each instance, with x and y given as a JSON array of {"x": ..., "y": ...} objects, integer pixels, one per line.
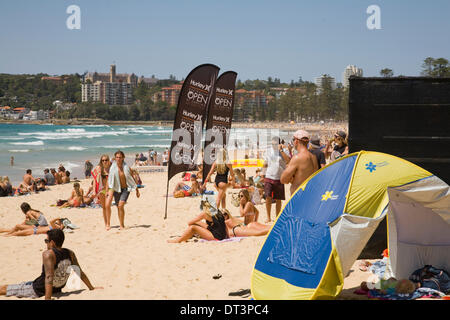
[{"x": 257, "y": 39}]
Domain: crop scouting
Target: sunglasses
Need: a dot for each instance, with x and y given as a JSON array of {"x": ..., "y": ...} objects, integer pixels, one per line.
[{"x": 105, "y": 160}]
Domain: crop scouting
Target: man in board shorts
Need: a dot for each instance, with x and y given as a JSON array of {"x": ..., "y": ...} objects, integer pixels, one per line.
[{"x": 275, "y": 162}]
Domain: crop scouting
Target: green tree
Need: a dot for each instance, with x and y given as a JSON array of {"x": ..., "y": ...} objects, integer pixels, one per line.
[{"x": 387, "y": 73}]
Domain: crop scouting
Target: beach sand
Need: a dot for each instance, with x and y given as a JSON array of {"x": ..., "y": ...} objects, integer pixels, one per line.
[{"x": 138, "y": 263}]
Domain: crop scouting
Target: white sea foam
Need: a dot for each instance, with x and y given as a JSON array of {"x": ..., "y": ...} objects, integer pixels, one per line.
[
  {"x": 25, "y": 150},
  {"x": 74, "y": 148},
  {"x": 34, "y": 143},
  {"x": 71, "y": 134}
]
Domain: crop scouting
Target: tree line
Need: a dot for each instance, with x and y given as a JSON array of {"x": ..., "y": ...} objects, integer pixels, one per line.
[{"x": 296, "y": 100}]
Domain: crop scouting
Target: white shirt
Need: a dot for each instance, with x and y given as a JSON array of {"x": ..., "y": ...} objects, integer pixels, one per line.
[{"x": 275, "y": 163}]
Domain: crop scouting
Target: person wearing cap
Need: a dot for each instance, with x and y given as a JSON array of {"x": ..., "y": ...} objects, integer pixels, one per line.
[
  {"x": 275, "y": 162},
  {"x": 302, "y": 165},
  {"x": 340, "y": 148},
  {"x": 314, "y": 148}
]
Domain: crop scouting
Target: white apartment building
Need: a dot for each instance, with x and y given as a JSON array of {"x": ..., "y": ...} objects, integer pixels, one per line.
[
  {"x": 111, "y": 93},
  {"x": 350, "y": 70},
  {"x": 322, "y": 80}
]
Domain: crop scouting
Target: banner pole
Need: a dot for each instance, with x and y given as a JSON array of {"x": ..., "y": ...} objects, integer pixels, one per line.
[{"x": 167, "y": 197}]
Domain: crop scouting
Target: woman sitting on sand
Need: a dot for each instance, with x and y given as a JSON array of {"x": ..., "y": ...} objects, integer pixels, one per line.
[
  {"x": 6, "y": 189},
  {"x": 246, "y": 208},
  {"x": 183, "y": 190},
  {"x": 90, "y": 195},
  {"x": 214, "y": 227},
  {"x": 240, "y": 181},
  {"x": 223, "y": 166},
  {"x": 32, "y": 218},
  {"x": 77, "y": 197},
  {"x": 54, "y": 224}
]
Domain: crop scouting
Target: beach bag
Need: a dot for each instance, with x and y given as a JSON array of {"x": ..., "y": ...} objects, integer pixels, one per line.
[
  {"x": 431, "y": 277},
  {"x": 32, "y": 222},
  {"x": 178, "y": 194},
  {"x": 235, "y": 199}
]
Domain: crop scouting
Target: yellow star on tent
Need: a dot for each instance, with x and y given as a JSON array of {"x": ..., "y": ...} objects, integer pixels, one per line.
[{"x": 327, "y": 195}]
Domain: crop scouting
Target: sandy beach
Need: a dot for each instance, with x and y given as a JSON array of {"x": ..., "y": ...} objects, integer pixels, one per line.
[{"x": 138, "y": 263}]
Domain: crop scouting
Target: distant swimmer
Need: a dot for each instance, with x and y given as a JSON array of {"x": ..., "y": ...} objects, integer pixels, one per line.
[{"x": 12, "y": 161}]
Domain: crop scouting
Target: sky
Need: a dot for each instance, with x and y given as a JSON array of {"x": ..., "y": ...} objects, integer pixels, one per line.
[{"x": 284, "y": 39}]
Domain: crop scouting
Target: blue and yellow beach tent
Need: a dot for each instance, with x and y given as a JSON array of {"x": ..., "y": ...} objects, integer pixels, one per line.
[{"x": 327, "y": 222}]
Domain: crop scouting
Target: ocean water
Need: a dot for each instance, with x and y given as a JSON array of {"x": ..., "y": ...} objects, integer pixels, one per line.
[{"x": 37, "y": 147}]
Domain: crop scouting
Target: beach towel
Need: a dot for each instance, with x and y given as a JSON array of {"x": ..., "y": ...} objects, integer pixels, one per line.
[
  {"x": 233, "y": 239},
  {"x": 187, "y": 176},
  {"x": 419, "y": 293},
  {"x": 114, "y": 181}
]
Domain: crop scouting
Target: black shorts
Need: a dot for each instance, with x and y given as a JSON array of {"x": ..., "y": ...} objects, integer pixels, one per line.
[
  {"x": 274, "y": 189},
  {"x": 121, "y": 196}
]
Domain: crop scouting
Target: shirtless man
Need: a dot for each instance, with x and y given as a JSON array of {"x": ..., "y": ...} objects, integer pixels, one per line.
[
  {"x": 302, "y": 165},
  {"x": 121, "y": 183},
  {"x": 29, "y": 181}
]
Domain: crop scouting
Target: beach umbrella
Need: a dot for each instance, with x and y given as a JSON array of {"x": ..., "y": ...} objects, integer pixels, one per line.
[{"x": 327, "y": 222}]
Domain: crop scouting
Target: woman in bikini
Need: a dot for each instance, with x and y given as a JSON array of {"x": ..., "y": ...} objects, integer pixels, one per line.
[
  {"x": 223, "y": 166},
  {"x": 250, "y": 226},
  {"x": 100, "y": 175},
  {"x": 214, "y": 227},
  {"x": 33, "y": 218},
  {"x": 54, "y": 224},
  {"x": 77, "y": 197}
]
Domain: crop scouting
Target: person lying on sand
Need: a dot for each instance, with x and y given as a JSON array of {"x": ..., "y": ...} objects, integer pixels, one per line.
[
  {"x": 237, "y": 228},
  {"x": 32, "y": 218},
  {"x": 76, "y": 198},
  {"x": 214, "y": 227},
  {"x": 54, "y": 224}
]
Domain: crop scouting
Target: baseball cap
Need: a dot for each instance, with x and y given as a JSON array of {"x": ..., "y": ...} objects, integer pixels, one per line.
[
  {"x": 315, "y": 142},
  {"x": 299, "y": 134},
  {"x": 341, "y": 134}
]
